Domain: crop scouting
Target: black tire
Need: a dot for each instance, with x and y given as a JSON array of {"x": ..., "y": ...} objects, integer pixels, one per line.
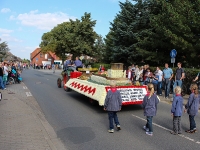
[
  {"x": 59, "y": 81},
  {"x": 93, "y": 102},
  {"x": 68, "y": 90},
  {"x": 184, "y": 90}
]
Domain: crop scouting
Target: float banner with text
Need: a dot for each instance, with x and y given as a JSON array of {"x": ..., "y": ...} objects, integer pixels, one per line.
[{"x": 131, "y": 94}]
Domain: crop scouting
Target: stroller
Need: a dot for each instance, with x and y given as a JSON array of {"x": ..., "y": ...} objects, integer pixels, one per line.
[{"x": 15, "y": 76}]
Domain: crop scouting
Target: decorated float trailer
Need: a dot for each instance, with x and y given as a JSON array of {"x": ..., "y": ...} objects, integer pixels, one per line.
[{"x": 96, "y": 85}]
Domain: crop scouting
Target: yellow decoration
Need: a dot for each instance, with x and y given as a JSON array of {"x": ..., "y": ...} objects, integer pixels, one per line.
[
  {"x": 116, "y": 73},
  {"x": 87, "y": 69}
]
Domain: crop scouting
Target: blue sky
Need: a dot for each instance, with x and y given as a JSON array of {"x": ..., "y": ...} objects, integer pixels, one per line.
[{"x": 23, "y": 22}]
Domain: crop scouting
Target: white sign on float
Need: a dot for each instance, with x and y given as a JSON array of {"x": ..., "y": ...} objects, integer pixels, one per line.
[{"x": 132, "y": 94}]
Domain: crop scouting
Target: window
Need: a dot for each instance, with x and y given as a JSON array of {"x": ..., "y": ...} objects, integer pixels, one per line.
[{"x": 41, "y": 55}]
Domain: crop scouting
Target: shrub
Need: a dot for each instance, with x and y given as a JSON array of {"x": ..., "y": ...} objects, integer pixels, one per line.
[{"x": 97, "y": 65}]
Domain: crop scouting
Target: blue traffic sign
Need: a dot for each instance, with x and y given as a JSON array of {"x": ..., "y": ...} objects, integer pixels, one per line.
[{"x": 173, "y": 53}]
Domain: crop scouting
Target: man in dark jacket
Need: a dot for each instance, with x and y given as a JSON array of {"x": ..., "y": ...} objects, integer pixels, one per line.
[{"x": 113, "y": 103}]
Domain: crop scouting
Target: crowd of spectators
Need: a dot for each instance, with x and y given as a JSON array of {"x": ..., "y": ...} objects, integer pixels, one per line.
[
  {"x": 10, "y": 69},
  {"x": 145, "y": 75}
]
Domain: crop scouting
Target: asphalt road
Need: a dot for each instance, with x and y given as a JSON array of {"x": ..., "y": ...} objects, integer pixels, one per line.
[{"x": 82, "y": 126}]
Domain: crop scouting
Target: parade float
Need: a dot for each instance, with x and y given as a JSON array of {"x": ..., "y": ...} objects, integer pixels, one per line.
[{"x": 94, "y": 84}]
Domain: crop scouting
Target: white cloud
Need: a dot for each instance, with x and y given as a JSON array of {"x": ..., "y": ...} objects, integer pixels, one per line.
[
  {"x": 5, "y": 30},
  {"x": 43, "y": 21},
  {"x": 5, "y": 10},
  {"x": 8, "y": 38}
]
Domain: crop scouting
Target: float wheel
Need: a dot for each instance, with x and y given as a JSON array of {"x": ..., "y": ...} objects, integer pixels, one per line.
[
  {"x": 65, "y": 79},
  {"x": 93, "y": 102},
  {"x": 59, "y": 82}
]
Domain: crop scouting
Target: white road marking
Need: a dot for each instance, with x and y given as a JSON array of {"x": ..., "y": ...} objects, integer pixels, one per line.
[
  {"x": 181, "y": 135},
  {"x": 28, "y": 94},
  {"x": 24, "y": 87}
]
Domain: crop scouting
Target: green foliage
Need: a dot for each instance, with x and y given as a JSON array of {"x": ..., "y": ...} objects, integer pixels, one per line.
[
  {"x": 26, "y": 61},
  {"x": 97, "y": 65},
  {"x": 147, "y": 30},
  {"x": 74, "y": 37},
  {"x": 99, "y": 49},
  {"x": 3, "y": 49}
]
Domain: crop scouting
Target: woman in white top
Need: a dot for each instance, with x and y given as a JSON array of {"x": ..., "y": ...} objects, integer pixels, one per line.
[
  {"x": 140, "y": 71},
  {"x": 129, "y": 73},
  {"x": 5, "y": 76},
  {"x": 136, "y": 71}
]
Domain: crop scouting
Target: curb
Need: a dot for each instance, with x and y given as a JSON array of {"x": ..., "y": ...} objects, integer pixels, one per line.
[{"x": 49, "y": 133}]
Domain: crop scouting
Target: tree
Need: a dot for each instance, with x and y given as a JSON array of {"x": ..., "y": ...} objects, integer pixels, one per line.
[
  {"x": 57, "y": 40},
  {"x": 3, "y": 49},
  {"x": 149, "y": 29},
  {"x": 84, "y": 36},
  {"x": 125, "y": 32},
  {"x": 99, "y": 49},
  {"x": 26, "y": 61},
  {"x": 74, "y": 37},
  {"x": 179, "y": 25}
]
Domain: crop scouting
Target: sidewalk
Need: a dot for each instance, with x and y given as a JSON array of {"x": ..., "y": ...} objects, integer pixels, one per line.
[
  {"x": 169, "y": 100},
  {"x": 22, "y": 123}
]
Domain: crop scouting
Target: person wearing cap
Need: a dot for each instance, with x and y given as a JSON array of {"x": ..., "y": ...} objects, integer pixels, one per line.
[{"x": 112, "y": 105}]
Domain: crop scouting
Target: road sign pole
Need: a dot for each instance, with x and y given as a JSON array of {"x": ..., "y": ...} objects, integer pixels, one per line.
[
  {"x": 173, "y": 54},
  {"x": 173, "y": 61}
]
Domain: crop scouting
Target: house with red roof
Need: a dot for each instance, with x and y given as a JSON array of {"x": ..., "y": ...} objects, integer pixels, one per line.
[{"x": 38, "y": 58}]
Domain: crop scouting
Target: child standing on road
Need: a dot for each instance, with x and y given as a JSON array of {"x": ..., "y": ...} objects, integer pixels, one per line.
[
  {"x": 192, "y": 107},
  {"x": 149, "y": 105},
  {"x": 113, "y": 103},
  {"x": 176, "y": 111}
]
